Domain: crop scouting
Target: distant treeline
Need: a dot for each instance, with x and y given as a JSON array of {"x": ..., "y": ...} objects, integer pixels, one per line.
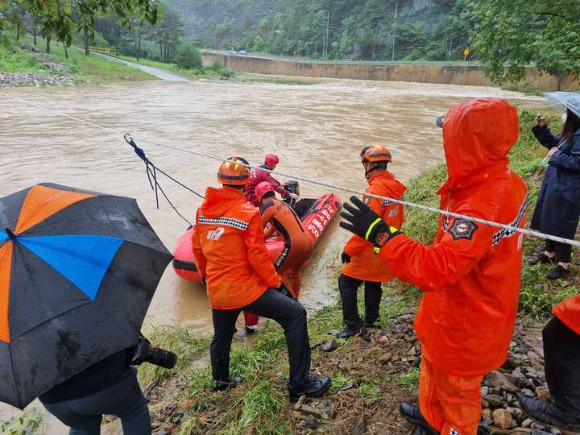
[{"x": 332, "y": 29}]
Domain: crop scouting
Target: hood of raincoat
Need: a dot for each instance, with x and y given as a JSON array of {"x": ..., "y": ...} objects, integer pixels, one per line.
[
  {"x": 219, "y": 201},
  {"x": 477, "y": 137}
]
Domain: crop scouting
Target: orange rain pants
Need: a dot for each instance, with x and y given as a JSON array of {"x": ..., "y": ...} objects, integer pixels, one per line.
[{"x": 451, "y": 404}]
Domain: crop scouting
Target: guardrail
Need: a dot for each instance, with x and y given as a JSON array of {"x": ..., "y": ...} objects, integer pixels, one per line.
[{"x": 104, "y": 50}]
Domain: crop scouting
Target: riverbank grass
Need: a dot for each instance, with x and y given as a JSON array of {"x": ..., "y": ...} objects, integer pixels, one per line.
[
  {"x": 18, "y": 57},
  {"x": 96, "y": 70},
  {"x": 14, "y": 59}
]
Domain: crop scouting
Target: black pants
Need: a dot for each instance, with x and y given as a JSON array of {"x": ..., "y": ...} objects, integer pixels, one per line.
[
  {"x": 290, "y": 314},
  {"x": 562, "y": 251},
  {"x": 562, "y": 365},
  {"x": 123, "y": 399},
  {"x": 348, "y": 288}
]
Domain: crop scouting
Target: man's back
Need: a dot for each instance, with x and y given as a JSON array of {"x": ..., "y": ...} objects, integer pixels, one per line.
[{"x": 229, "y": 249}]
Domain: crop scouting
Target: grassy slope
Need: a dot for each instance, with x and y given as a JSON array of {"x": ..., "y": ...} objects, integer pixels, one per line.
[
  {"x": 15, "y": 60},
  {"x": 259, "y": 404},
  {"x": 221, "y": 73},
  {"x": 84, "y": 69}
]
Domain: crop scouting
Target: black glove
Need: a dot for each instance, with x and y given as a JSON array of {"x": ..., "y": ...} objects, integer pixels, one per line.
[
  {"x": 345, "y": 257},
  {"x": 365, "y": 223}
]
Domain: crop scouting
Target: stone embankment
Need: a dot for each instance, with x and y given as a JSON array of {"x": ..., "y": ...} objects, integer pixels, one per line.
[{"x": 34, "y": 79}]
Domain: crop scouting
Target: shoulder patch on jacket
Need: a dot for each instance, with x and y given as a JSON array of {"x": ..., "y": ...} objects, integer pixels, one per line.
[{"x": 462, "y": 229}]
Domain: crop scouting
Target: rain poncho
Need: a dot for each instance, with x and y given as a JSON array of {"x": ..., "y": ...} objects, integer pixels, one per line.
[{"x": 471, "y": 273}]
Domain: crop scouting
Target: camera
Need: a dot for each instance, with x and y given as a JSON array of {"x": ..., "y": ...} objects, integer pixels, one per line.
[{"x": 144, "y": 352}]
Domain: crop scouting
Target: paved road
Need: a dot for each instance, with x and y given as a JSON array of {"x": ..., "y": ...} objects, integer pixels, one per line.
[{"x": 159, "y": 73}]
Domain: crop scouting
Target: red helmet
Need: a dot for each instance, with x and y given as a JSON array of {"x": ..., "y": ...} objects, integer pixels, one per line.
[
  {"x": 234, "y": 172},
  {"x": 271, "y": 160},
  {"x": 376, "y": 153},
  {"x": 262, "y": 189}
]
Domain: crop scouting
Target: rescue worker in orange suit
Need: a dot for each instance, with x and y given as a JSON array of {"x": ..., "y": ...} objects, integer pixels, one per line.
[
  {"x": 470, "y": 276},
  {"x": 562, "y": 365},
  {"x": 262, "y": 174},
  {"x": 361, "y": 263},
  {"x": 279, "y": 217},
  {"x": 228, "y": 244}
]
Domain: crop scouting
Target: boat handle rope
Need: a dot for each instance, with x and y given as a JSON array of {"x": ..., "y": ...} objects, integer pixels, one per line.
[{"x": 329, "y": 185}]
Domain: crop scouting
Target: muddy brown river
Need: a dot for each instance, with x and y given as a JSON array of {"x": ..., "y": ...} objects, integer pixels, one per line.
[{"x": 316, "y": 130}]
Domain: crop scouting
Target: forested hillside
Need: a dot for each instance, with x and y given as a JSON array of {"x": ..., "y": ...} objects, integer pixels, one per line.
[{"x": 333, "y": 29}]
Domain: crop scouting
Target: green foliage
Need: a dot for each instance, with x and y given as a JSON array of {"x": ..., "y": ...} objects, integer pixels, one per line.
[
  {"x": 62, "y": 19},
  {"x": 410, "y": 380},
  {"x": 369, "y": 388},
  {"x": 323, "y": 29},
  {"x": 25, "y": 424},
  {"x": 189, "y": 57},
  {"x": 260, "y": 404},
  {"x": 14, "y": 59},
  {"x": 512, "y": 34}
]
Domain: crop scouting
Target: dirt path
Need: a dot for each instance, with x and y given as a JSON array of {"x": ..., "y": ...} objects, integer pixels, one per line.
[{"x": 159, "y": 73}]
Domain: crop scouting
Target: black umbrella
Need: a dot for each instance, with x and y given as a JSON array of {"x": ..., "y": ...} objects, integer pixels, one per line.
[{"x": 78, "y": 270}]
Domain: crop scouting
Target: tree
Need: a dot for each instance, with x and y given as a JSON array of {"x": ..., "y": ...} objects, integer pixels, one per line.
[
  {"x": 511, "y": 35},
  {"x": 167, "y": 34},
  {"x": 57, "y": 17},
  {"x": 189, "y": 57}
]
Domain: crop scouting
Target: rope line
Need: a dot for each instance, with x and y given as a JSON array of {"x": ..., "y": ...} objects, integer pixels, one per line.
[
  {"x": 151, "y": 170},
  {"x": 329, "y": 185}
]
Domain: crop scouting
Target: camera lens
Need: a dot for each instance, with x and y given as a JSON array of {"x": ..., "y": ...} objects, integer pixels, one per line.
[{"x": 162, "y": 358}]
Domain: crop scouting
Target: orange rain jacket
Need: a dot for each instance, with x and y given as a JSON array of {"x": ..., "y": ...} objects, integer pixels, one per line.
[
  {"x": 568, "y": 312},
  {"x": 471, "y": 273},
  {"x": 365, "y": 264},
  {"x": 228, "y": 245}
]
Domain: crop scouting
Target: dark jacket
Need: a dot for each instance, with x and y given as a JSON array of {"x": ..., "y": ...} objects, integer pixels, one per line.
[
  {"x": 558, "y": 207},
  {"x": 94, "y": 379}
]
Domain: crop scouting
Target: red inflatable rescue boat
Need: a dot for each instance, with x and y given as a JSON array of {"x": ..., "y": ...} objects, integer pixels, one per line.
[{"x": 316, "y": 216}]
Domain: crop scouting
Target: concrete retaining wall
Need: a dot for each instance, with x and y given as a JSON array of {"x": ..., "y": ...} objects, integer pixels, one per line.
[{"x": 429, "y": 73}]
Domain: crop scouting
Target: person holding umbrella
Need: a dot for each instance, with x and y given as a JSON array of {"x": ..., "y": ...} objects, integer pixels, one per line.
[
  {"x": 558, "y": 207},
  {"x": 78, "y": 271},
  {"x": 470, "y": 276},
  {"x": 229, "y": 249}
]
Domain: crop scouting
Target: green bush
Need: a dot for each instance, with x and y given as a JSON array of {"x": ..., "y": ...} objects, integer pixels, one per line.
[{"x": 189, "y": 57}]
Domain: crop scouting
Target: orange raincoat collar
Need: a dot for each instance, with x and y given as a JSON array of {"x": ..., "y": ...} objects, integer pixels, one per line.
[
  {"x": 388, "y": 181},
  {"x": 218, "y": 201},
  {"x": 477, "y": 137}
]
